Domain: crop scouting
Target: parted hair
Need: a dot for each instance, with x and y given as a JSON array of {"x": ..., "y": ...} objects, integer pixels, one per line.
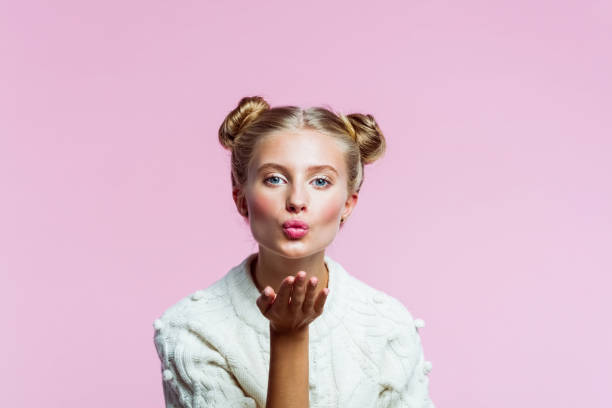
[{"x": 253, "y": 119}]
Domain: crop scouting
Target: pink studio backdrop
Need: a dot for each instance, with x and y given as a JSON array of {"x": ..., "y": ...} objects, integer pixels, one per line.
[{"x": 490, "y": 216}]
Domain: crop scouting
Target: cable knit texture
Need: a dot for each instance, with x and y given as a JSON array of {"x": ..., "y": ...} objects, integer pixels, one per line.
[{"x": 364, "y": 351}]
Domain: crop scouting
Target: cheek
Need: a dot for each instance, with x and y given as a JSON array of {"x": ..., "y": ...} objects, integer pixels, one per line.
[
  {"x": 331, "y": 212},
  {"x": 262, "y": 206}
]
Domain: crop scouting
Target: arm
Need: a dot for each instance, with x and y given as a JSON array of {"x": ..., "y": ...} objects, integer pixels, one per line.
[
  {"x": 193, "y": 374},
  {"x": 408, "y": 349},
  {"x": 288, "y": 377},
  {"x": 415, "y": 394},
  {"x": 290, "y": 313}
]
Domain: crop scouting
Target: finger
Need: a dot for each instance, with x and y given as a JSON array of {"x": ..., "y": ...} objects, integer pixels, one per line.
[
  {"x": 265, "y": 299},
  {"x": 284, "y": 292},
  {"x": 309, "y": 298},
  {"x": 320, "y": 301},
  {"x": 297, "y": 297}
]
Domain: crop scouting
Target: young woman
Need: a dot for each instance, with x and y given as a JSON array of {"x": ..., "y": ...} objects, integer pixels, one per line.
[{"x": 289, "y": 326}]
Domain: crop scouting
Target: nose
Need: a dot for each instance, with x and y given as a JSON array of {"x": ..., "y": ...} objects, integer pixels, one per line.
[{"x": 297, "y": 199}]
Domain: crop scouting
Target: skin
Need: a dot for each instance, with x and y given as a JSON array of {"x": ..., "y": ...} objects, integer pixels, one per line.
[{"x": 285, "y": 268}]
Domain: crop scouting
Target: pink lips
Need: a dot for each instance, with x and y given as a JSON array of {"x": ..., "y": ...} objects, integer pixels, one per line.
[{"x": 295, "y": 229}]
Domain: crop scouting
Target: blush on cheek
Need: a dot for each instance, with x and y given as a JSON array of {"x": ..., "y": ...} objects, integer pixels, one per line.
[
  {"x": 331, "y": 213},
  {"x": 262, "y": 213},
  {"x": 262, "y": 207}
]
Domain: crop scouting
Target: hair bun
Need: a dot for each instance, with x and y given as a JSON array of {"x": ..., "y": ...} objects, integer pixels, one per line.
[
  {"x": 248, "y": 109},
  {"x": 368, "y": 136}
]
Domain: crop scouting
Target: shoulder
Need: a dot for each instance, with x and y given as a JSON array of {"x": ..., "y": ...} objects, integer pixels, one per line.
[
  {"x": 382, "y": 323},
  {"x": 386, "y": 306},
  {"x": 190, "y": 307},
  {"x": 379, "y": 312}
]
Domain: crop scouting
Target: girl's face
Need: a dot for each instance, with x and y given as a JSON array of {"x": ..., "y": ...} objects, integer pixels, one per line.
[{"x": 284, "y": 183}]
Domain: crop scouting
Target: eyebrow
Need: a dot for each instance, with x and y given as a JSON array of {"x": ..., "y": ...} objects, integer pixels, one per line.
[{"x": 283, "y": 168}]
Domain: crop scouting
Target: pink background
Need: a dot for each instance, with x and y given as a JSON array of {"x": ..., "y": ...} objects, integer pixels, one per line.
[{"x": 490, "y": 216}]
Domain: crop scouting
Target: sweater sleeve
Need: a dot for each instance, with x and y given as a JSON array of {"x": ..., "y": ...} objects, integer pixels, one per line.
[
  {"x": 194, "y": 374},
  {"x": 413, "y": 390},
  {"x": 416, "y": 393}
]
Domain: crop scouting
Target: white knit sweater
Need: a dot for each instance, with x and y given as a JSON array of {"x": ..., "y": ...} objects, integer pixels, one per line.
[{"x": 364, "y": 351}]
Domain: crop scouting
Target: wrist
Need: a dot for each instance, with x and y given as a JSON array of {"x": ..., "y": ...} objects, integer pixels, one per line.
[{"x": 296, "y": 334}]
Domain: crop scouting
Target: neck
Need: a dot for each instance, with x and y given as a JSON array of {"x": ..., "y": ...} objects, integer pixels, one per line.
[{"x": 269, "y": 269}]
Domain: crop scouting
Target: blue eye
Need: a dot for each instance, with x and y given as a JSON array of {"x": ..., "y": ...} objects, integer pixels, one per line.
[
  {"x": 327, "y": 182},
  {"x": 273, "y": 177},
  {"x": 324, "y": 179}
]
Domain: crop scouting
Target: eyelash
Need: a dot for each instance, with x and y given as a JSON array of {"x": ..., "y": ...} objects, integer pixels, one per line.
[{"x": 318, "y": 178}]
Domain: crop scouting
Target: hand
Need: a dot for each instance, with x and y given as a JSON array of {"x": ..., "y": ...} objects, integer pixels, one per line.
[{"x": 292, "y": 311}]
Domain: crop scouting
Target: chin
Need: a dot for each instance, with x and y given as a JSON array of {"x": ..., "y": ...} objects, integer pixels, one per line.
[
  {"x": 300, "y": 249},
  {"x": 290, "y": 249},
  {"x": 294, "y": 251}
]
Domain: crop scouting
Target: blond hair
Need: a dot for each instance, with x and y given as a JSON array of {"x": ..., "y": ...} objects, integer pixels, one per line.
[{"x": 253, "y": 119}]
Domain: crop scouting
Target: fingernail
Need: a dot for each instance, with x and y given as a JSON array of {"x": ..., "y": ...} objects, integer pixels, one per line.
[
  {"x": 313, "y": 281},
  {"x": 326, "y": 291},
  {"x": 267, "y": 292}
]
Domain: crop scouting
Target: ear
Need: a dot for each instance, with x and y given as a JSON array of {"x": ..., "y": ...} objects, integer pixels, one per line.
[
  {"x": 350, "y": 203},
  {"x": 240, "y": 201}
]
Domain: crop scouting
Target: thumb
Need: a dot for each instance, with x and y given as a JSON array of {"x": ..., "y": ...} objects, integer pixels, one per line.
[{"x": 265, "y": 299}]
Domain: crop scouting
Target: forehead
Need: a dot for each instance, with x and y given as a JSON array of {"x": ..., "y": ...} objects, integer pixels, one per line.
[{"x": 299, "y": 149}]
